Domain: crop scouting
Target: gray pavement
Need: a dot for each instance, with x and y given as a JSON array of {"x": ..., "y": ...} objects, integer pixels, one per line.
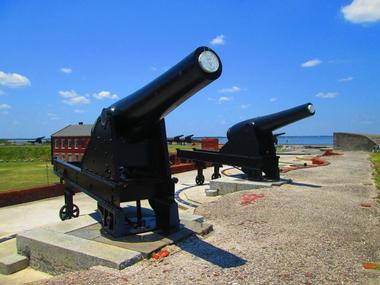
[
  {"x": 26, "y": 216},
  {"x": 313, "y": 231},
  {"x": 21, "y": 217},
  {"x": 310, "y": 231}
]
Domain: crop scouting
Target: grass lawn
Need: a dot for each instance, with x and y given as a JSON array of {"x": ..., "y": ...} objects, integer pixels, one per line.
[
  {"x": 24, "y": 166},
  {"x": 375, "y": 158},
  {"x": 25, "y": 152},
  {"x": 172, "y": 147},
  {"x": 19, "y": 175}
]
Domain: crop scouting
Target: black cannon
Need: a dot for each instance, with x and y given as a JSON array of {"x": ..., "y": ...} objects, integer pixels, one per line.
[
  {"x": 127, "y": 156},
  {"x": 187, "y": 139},
  {"x": 176, "y": 139},
  {"x": 180, "y": 139},
  {"x": 250, "y": 145}
]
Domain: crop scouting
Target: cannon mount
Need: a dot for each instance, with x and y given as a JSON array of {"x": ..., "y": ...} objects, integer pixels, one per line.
[
  {"x": 250, "y": 146},
  {"x": 127, "y": 156}
]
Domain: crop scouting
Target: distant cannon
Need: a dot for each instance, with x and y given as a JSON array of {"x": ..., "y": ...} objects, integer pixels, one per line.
[
  {"x": 250, "y": 145},
  {"x": 127, "y": 156},
  {"x": 275, "y": 137},
  {"x": 176, "y": 139},
  {"x": 36, "y": 140},
  {"x": 188, "y": 139},
  {"x": 181, "y": 139}
]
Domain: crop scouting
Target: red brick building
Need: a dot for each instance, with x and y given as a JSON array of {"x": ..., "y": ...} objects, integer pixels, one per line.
[{"x": 69, "y": 143}]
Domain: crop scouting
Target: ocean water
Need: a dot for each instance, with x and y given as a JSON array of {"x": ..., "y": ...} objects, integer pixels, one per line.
[
  {"x": 303, "y": 140},
  {"x": 306, "y": 140}
]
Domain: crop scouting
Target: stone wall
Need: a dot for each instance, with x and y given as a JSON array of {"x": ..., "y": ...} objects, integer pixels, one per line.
[{"x": 348, "y": 141}]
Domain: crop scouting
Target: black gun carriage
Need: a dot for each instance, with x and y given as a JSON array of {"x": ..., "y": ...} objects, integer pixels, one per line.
[
  {"x": 127, "y": 156},
  {"x": 181, "y": 139},
  {"x": 250, "y": 146},
  {"x": 176, "y": 139}
]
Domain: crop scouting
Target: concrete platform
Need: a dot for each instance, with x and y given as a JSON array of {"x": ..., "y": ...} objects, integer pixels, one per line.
[
  {"x": 21, "y": 277},
  {"x": 225, "y": 185},
  {"x": 77, "y": 244},
  {"x": 12, "y": 263},
  {"x": 10, "y": 276}
]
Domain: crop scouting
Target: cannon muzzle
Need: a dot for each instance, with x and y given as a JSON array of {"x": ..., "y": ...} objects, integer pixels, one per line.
[
  {"x": 142, "y": 109},
  {"x": 273, "y": 121},
  {"x": 127, "y": 156}
]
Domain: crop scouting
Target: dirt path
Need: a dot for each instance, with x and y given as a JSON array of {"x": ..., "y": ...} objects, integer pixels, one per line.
[{"x": 311, "y": 232}]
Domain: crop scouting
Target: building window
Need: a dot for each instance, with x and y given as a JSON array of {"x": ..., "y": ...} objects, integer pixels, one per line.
[
  {"x": 77, "y": 157},
  {"x": 63, "y": 157},
  {"x": 62, "y": 143},
  {"x": 76, "y": 143},
  {"x": 70, "y": 159},
  {"x": 84, "y": 143},
  {"x": 69, "y": 143},
  {"x": 56, "y": 143}
]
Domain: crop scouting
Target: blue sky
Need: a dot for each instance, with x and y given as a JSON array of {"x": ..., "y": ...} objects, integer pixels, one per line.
[{"x": 61, "y": 62}]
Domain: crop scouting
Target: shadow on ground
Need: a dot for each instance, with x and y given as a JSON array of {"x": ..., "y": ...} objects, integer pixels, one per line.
[
  {"x": 305, "y": 184},
  {"x": 192, "y": 245},
  {"x": 210, "y": 253}
]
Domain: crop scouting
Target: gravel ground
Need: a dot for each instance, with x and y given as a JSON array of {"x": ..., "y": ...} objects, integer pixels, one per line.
[{"x": 311, "y": 232}]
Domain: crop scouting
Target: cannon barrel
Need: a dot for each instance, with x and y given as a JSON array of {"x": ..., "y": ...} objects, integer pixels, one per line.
[
  {"x": 274, "y": 121},
  {"x": 154, "y": 101}
]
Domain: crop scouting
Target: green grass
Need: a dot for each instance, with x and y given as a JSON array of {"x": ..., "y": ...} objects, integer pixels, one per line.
[
  {"x": 172, "y": 147},
  {"x": 25, "y": 152},
  {"x": 42, "y": 152},
  {"x": 375, "y": 158},
  {"x": 24, "y": 166},
  {"x": 21, "y": 175}
]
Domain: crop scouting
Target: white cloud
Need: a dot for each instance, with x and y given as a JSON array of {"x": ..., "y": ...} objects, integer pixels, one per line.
[
  {"x": 53, "y": 116},
  {"x": 13, "y": 80},
  {"x": 273, "y": 99},
  {"x": 245, "y": 106},
  {"x": 72, "y": 98},
  {"x": 105, "y": 95},
  {"x": 223, "y": 99},
  {"x": 218, "y": 40},
  {"x": 362, "y": 11},
  {"x": 327, "y": 95},
  {"x": 79, "y": 111},
  {"x": 68, "y": 94},
  {"x": 66, "y": 70},
  {"x": 349, "y": 78},
  {"x": 4, "y": 107},
  {"x": 311, "y": 63},
  {"x": 232, "y": 89}
]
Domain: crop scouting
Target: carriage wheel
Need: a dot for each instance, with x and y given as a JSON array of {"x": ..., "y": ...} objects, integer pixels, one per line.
[{"x": 199, "y": 179}]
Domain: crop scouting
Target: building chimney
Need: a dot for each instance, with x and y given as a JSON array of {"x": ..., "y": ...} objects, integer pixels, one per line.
[{"x": 80, "y": 123}]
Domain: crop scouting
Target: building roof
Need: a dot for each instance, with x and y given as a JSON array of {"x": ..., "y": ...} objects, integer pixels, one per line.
[{"x": 80, "y": 130}]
